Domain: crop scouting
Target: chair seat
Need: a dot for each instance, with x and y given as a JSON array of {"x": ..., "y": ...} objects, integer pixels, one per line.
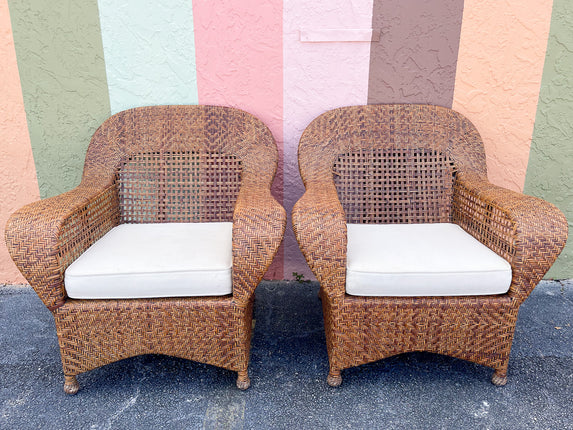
[
  {"x": 155, "y": 260},
  {"x": 421, "y": 260}
]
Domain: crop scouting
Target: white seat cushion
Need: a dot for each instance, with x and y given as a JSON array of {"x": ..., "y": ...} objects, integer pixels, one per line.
[
  {"x": 421, "y": 260},
  {"x": 155, "y": 260}
]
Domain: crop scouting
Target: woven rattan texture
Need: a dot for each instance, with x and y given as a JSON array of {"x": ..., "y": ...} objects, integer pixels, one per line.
[
  {"x": 526, "y": 231},
  {"x": 158, "y": 164},
  {"x": 179, "y": 187},
  {"x": 87, "y": 225},
  {"x": 455, "y": 327},
  {"x": 201, "y": 329},
  {"x": 395, "y": 185}
]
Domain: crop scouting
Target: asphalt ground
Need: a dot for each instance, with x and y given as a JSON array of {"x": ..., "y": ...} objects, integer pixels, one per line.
[{"x": 288, "y": 371}]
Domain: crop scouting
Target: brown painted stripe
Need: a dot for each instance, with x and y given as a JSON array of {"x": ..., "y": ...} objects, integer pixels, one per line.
[{"x": 415, "y": 59}]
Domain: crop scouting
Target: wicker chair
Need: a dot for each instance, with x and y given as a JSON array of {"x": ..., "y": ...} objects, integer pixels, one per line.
[
  {"x": 144, "y": 166},
  {"x": 415, "y": 164}
]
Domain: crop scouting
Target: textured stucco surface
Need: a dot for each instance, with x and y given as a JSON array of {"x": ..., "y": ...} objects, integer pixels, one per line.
[
  {"x": 62, "y": 72},
  {"x": 318, "y": 77},
  {"x": 248, "y": 54},
  {"x": 500, "y": 63},
  {"x": 550, "y": 169},
  {"x": 239, "y": 54},
  {"x": 18, "y": 184},
  {"x": 149, "y": 52},
  {"x": 415, "y": 60}
]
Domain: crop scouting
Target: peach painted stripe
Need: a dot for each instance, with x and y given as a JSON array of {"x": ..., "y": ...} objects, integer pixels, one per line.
[
  {"x": 239, "y": 60},
  {"x": 18, "y": 183},
  {"x": 318, "y": 77},
  {"x": 500, "y": 63}
]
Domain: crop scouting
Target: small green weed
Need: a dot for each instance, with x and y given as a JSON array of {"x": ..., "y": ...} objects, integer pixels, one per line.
[{"x": 299, "y": 277}]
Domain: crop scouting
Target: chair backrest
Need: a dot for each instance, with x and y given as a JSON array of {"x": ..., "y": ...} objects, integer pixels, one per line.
[
  {"x": 391, "y": 163},
  {"x": 180, "y": 163},
  {"x": 186, "y": 186},
  {"x": 394, "y": 185}
]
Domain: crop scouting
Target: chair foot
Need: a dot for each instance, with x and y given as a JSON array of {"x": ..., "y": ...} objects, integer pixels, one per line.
[
  {"x": 243, "y": 381},
  {"x": 71, "y": 385},
  {"x": 499, "y": 378},
  {"x": 334, "y": 379}
]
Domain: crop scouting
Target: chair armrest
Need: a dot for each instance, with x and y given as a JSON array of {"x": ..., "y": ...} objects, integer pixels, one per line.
[
  {"x": 258, "y": 228},
  {"x": 527, "y": 231},
  {"x": 46, "y": 236},
  {"x": 319, "y": 224}
]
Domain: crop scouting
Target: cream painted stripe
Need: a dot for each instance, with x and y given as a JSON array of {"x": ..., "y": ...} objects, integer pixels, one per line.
[
  {"x": 149, "y": 52},
  {"x": 18, "y": 183},
  {"x": 500, "y": 63},
  {"x": 318, "y": 77}
]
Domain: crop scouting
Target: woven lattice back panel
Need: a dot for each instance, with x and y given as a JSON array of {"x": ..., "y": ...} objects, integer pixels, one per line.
[
  {"x": 179, "y": 187},
  {"x": 395, "y": 185},
  {"x": 180, "y": 129},
  {"x": 350, "y": 129}
]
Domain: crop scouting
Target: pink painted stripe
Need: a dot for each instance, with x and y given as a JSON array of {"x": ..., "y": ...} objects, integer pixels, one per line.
[
  {"x": 500, "y": 63},
  {"x": 18, "y": 183},
  {"x": 318, "y": 77},
  {"x": 239, "y": 60}
]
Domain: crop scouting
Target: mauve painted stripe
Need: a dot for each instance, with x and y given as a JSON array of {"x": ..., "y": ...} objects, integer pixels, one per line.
[
  {"x": 415, "y": 59},
  {"x": 62, "y": 72},
  {"x": 318, "y": 77},
  {"x": 239, "y": 54},
  {"x": 18, "y": 183},
  {"x": 149, "y": 52},
  {"x": 500, "y": 65}
]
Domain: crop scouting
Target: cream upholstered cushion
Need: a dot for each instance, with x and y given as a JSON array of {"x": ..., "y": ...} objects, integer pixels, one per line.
[
  {"x": 421, "y": 260},
  {"x": 155, "y": 260}
]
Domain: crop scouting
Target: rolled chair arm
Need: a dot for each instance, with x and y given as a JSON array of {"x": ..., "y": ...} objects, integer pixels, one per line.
[
  {"x": 258, "y": 227},
  {"x": 46, "y": 236},
  {"x": 527, "y": 231},
  {"x": 319, "y": 225}
]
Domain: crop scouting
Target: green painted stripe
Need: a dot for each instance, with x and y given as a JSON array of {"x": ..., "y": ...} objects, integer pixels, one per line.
[
  {"x": 550, "y": 168},
  {"x": 62, "y": 70}
]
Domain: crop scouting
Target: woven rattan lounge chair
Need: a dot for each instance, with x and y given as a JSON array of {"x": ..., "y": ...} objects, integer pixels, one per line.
[
  {"x": 396, "y": 211},
  {"x": 178, "y": 199}
]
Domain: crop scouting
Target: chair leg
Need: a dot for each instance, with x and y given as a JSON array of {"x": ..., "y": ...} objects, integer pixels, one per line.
[
  {"x": 499, "y": 378},
  {"x": 243, "y": 381},
  {"x": 334, "y": 379},
  {"x": 71, "y": 385}
]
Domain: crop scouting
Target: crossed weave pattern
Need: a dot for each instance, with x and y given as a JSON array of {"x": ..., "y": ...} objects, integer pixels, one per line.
[
  {"x": 415, "y": 164},
  {"x": 403, "y": 185},
  {"x": 158, "y": 164}
]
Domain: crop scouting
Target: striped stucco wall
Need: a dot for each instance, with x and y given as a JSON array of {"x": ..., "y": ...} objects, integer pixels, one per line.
[
  {"x": 550, "y": 166},
  {"x": 318, "y": 76},
  {"x": 239, "y": 63},
  {"x": 18, "y": 182},
  {"x": 66, "y": 66}
]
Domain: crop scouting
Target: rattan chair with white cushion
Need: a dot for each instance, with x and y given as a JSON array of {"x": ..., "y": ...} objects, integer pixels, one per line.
[
  {"x": 414, "y": 249},
  {"x": 161, "y": 246}
]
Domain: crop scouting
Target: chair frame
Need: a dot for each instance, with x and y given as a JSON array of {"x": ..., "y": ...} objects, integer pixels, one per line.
[
  {"x": 46, "y": 236},
  {"x": 526, "y": 231}
]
